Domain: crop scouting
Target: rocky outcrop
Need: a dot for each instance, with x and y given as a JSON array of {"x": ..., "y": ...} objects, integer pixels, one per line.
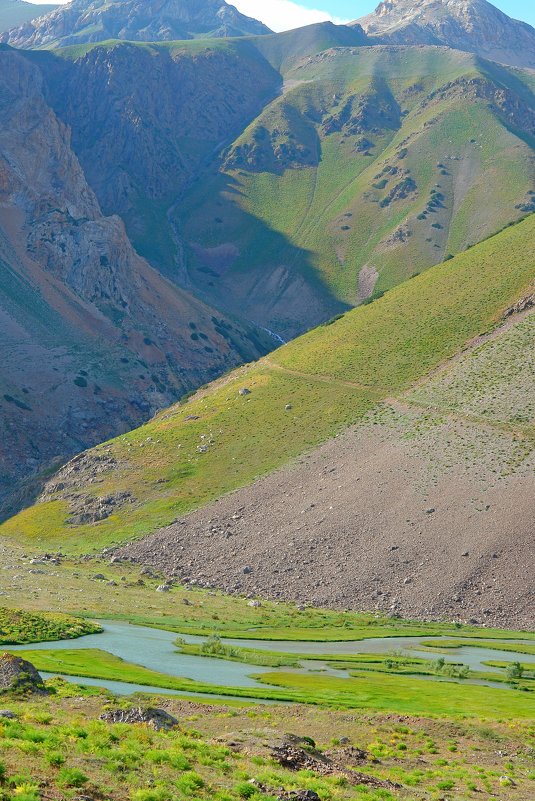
[
  {"x": 135, "y": 20},
  {"x": 372, "y": 112},
  {"x": 274, "y": 150},
  {"x": 295, "y": 753},
  {"x": 523, "y": 305},
  {"x": 19, "y": 676},
  {"x": 475, "y": 26}
]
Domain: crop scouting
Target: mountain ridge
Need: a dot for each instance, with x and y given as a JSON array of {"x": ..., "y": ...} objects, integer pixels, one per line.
[
  {"x": 93, "y": 339},
  {"x": 80, "y": 22},
  {"x": 472, "y": 25}
]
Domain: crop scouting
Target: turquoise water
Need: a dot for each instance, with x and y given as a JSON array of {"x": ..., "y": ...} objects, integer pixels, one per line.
[{"x": 155, "y": 649}]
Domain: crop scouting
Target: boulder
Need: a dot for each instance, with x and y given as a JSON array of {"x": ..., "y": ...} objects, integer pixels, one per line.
[
  {"x": 158, "y": 719},
  {"x": 17, "y": 675}
]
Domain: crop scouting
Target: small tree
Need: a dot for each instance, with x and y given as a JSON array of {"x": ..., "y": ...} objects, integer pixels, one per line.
[{"x": 514, "y": 671}]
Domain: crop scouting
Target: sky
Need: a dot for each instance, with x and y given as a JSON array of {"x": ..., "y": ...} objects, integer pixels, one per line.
[{"x": 282, "y": 15}]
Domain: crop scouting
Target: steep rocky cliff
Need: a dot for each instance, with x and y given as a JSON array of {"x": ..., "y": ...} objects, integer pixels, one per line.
[
  {"x": 472, "y": 25},
  {"x": 136, "y": 20},
  {"x": 93, "y": 340}
]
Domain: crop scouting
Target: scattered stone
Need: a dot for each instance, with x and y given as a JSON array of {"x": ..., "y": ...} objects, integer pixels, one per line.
[
  {"x": 244, "y": 392},
  {"x": 292, "y": 756},
  {"x": 285, "y": 795},
  {"x": 7, "y": 714},
  {"x": 163, "y": 588},
  {"x": 158, "y": 719}
]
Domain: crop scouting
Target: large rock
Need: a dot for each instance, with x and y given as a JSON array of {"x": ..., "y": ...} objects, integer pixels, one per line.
[
  {"x": 17, "y": 675},
  {"x": 156, "y": 718}
]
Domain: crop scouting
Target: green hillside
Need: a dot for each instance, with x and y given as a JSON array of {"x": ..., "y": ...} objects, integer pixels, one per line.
[
  {"x": 301, "y": 395},
  {"x": 16, "y": 12},
  {"x": 371, "y": 166}
]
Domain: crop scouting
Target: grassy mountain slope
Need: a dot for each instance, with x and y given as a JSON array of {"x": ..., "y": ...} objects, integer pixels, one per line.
[
  {"x": 16, "y": 12},
  {"x": 373, "y": 164},
  {"x": 288, "y": 177},
  {"x": 303, "y": 394}
]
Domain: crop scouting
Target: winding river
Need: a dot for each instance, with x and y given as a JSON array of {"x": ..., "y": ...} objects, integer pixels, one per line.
[{"x": 155, "y": 649}]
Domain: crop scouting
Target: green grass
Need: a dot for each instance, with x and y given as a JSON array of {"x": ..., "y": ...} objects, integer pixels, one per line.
[
  {"x": 407, "y": 695},
  {"x": 59, "y": 747},
  {"x": 97, "y": 664},
  {"x": 325, "y": 220},
  {"x": 519, "y": 648},
  {"x": 215, "y": 648},
  {"x": 332, "y": 377},
  {"x": 18, "y": 627}
]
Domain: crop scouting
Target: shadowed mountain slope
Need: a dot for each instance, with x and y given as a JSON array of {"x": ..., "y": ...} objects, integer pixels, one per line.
[
  {"x": 93, "y": 339},
  {"x": 475, "y": 26}
]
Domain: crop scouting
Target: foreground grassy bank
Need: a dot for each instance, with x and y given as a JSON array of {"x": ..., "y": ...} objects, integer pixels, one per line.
[
  {"x": 305, "y": 393},
  {"x": 58, "y": 748}
]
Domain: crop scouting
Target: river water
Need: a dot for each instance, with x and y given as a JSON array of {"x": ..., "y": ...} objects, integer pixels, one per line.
[{"x": 155, "y": 649}]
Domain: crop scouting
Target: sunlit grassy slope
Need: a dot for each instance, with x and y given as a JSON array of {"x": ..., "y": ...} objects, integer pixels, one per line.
[
  {"x": 303, "y": 394},
  {"x": 389, "y": 158}
]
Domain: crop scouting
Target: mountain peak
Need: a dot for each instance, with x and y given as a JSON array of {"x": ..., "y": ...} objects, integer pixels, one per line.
[
  {"x": 83, "y": 21},
  {"x": 475, "y": 26}
]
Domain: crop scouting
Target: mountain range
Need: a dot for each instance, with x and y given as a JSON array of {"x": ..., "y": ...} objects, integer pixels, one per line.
[
  {"x": 267, "y": 404},
  {"x": 198, "y": 202}
]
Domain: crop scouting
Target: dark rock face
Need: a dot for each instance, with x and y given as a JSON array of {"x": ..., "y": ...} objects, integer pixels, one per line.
[
  {"x": 158, "y": 719},
  {"x": 475, "y": 26},
  {"x": 135, "y": 20},
  {"x": 93, "y": 339},
  {"x": 147, "y": 105},
  {"x": 17, "y": 675}
]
